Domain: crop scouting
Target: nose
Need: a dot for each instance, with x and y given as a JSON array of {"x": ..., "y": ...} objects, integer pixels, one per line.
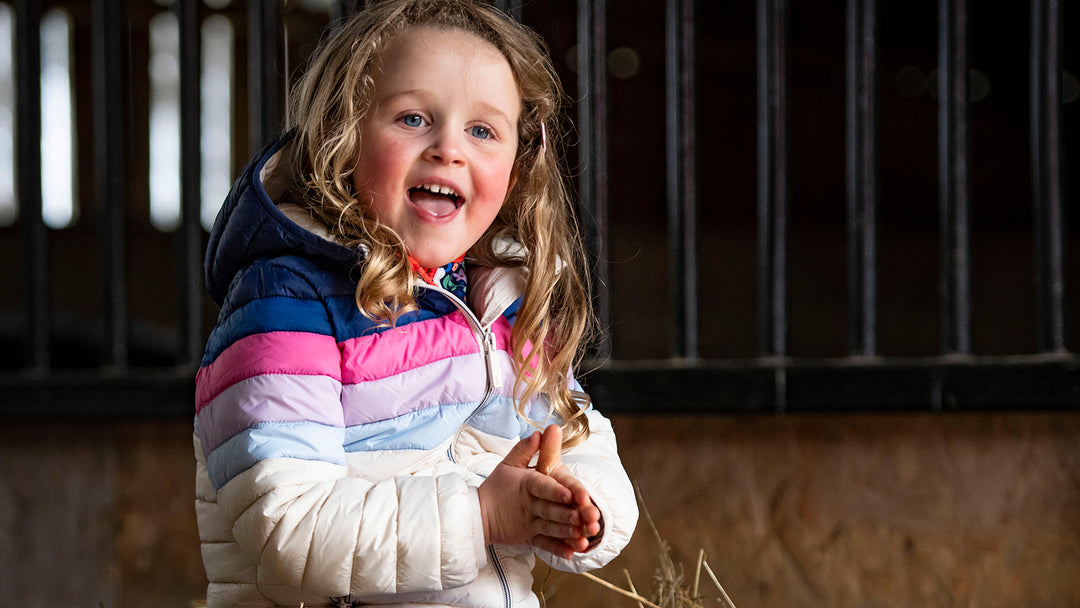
[{"x": 446, "y": 147}]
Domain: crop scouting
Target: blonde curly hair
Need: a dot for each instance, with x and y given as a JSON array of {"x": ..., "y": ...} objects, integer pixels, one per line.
[{"x": 327, "y": 108}]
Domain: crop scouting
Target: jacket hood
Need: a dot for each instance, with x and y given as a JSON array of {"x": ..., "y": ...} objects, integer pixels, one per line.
[{"x": 250, "y": 226}]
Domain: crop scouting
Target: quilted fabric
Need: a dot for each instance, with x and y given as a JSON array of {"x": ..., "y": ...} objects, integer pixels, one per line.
[{"x": 337, "y": 458}]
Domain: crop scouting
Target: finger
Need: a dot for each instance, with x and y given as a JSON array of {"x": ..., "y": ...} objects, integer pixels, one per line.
[
  {"x": 546, "y": 488},
  {"x": 558, "y": 513},
  {"x": 564, "y": 532},
  {"x": 555, "y": 546},
  {"x": 589, "y": 514},
  {"x": 591, "y": 529},
  {"x": 522, "y": 452},
  {"x": 550, "y": 450},
  {"x": 563, "y": 475}
]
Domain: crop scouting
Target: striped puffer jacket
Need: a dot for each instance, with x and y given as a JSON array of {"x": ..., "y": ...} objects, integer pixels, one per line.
[{"x": 337, "y": 460}]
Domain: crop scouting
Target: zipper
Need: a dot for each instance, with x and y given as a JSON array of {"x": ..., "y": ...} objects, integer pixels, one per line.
[
  {"x": 497, "y": 565},
  {"x": 485, "y": 339}
]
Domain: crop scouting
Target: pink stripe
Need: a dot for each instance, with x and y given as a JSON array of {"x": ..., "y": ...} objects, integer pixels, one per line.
[
  {"x": 281, "y": 352},
  {"x": 401, "y": 349},
  {"x": 446, "y": 382}
]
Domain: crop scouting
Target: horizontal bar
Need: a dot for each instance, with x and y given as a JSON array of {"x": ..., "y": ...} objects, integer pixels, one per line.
[
  {"x": 841, "y": 385},
  {"x": 89, "y": 394},
  {"x": 936, "y": 384}
]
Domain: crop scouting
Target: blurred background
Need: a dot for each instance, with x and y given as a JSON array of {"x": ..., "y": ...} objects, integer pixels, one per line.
[{"x": 835, "y": 273}]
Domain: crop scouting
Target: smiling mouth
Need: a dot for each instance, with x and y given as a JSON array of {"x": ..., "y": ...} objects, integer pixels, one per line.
[{"x": 439, "y": 201}]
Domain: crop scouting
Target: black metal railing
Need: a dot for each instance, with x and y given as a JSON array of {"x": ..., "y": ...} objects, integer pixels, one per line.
[
  {"x": 773, "y": 381},
  {"x": 864, "y": 381}
]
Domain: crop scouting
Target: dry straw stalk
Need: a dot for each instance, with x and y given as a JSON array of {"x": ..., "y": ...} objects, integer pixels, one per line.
[{"x": 671, "y": 590}]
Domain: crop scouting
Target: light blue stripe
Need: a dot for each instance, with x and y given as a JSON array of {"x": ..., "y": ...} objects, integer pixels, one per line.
[
  {"x": 425, "y": 429},
  {"x": 420, "y": 430},
  {"x": 499, "y": 418},
  {"x": 301, "y": 440}
]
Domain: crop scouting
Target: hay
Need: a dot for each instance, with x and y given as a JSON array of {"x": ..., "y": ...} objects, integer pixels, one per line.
[{"x": 671, "y": 589}]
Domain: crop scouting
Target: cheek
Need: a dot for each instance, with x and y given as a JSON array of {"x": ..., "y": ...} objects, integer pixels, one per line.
[
  {"x": 380, "y": 163},
  {"x": 498, "y": 181}
]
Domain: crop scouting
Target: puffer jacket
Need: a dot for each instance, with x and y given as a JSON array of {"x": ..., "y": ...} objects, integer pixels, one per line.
[{"x": 338, "y": 460}]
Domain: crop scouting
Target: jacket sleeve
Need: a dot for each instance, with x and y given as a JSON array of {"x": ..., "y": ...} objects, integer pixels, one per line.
[
  {"x": 271, "y": 425},
  {"x": 595, "y": 463}
]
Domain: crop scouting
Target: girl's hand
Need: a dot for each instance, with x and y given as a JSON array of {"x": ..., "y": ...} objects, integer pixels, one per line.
[
  {"x": 550, "y": 463},
  {"x": 520, "y": 506}
]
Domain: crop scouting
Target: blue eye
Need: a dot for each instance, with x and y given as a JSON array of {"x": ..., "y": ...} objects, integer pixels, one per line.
[
  {"x": 412, "y": 120},
  {"x": 480, "y": 132}
]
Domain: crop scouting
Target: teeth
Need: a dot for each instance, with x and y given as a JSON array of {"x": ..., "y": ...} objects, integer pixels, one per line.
[{"x": 436, "y": 189}]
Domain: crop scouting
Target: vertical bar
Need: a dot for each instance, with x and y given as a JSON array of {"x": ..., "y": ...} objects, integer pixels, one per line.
[
  {"x": 772, "y": 175},
  {"x": 347, "y": 7},
  {"x": 264, "y": 82},
  {"x": 681, "y": 177},
  {"x": 28, "y": 181},
  {"x": 953, "y": 176},
  {"x": 861, "y": 178},
  {"x": 190, "y": 233},
  {"x": 109, "y": 137},
  {"x": 510, "y": 7},
  {"x": 592, "y": 118},
  {"x": 1046, "y": 159}
]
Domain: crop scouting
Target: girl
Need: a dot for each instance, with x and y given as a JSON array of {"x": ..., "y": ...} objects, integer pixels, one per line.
[{"x": 402, "y": 297}]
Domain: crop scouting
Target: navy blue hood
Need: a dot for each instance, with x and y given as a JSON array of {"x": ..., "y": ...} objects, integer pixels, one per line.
[{"x": 249, "y": 226}]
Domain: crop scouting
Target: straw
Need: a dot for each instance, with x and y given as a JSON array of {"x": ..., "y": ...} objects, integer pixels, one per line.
[{"x": 671, "y": 591}]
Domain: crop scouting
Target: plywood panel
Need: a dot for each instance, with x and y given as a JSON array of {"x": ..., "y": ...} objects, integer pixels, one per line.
[{"x": 839, "y": 511}]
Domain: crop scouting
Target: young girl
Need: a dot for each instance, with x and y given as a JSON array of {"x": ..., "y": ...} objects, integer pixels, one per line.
[{"x": 402, "y": 297}]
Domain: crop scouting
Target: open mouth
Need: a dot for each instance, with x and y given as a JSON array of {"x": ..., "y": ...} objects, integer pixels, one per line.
[{"x": 437, "y": 200}]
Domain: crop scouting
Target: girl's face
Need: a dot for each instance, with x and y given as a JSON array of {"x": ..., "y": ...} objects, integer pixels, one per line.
[{"x": 438, "y": 146}]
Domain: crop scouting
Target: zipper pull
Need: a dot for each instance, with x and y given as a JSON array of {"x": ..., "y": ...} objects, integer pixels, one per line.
[{"x": 490, "y": 349}]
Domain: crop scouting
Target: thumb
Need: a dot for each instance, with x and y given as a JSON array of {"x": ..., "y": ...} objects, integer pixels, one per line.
[
  {"x": 550, "y": 450},
  {"x": 522, "y": 452}
]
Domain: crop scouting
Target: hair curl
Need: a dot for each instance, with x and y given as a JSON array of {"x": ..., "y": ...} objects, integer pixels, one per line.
[{"x": 328, "y": 106}]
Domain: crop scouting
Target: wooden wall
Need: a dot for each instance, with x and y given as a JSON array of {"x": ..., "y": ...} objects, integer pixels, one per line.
[{"x": 839, "y": 511}]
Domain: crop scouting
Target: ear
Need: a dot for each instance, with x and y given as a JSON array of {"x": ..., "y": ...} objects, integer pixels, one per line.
[{"x": 512, "y": 182}]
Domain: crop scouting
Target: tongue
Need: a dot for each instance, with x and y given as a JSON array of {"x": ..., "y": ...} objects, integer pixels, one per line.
[{"x": 435, "y": 204}]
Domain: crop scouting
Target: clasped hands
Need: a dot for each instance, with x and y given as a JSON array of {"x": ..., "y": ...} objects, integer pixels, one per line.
[{"x": 545, "y": 506}]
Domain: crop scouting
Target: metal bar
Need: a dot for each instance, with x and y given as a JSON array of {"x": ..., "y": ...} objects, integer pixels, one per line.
[
  {"x": 510, "y": 7},
  {"x": 681, "y": 178},
  {"x": 861, "y": 178},
  {"x": 190, "y": 233},
  {"x": 592, "y": 149},
  {"x": 264, "y": 81},
  {"x": 347, "y": 7},
  {"x": 87, "y": 393},
  {"x": 1046, "y": 162},
  {"x": 772, "y": 175},
  {"x": 1033, "y": 382},
  {"x": 953, "y": 176},
  {"x": 109, "y": 136},
  {"x": 1023, "y": 383},
  {"x": 28, "y": 182}
]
